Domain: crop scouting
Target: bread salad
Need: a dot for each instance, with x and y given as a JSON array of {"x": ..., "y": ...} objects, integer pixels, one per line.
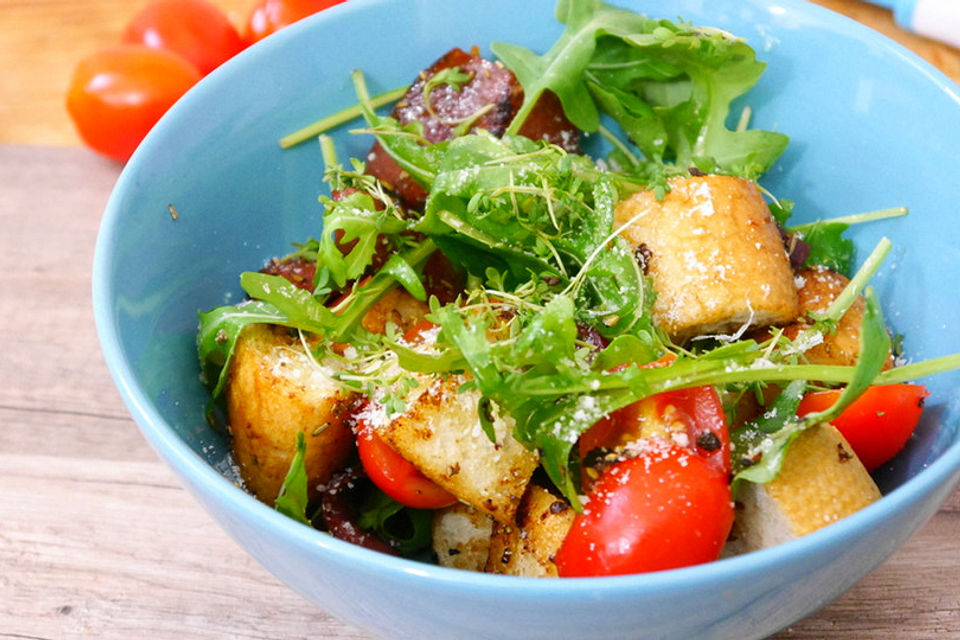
[{"x": 502, "y": 355}]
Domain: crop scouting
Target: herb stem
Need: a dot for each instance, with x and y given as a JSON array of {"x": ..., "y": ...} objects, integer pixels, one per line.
[
  {"x": 857, "y": 218},
  {"x": 329, "y": 152},
  {"x": 618, "y": 143},
  {"x": 354, "y": 306},
  {"x": 849, "y": 294},
  {"x": 916, "y": 370},
  {"x": 338, "y": 118}
]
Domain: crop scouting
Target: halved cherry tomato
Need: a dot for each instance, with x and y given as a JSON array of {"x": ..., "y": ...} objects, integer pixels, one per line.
[
  {"x": 118, "y": 94},
  {"x": 665, "y": 509},
  {"x": 395, "y": 475},
  {"x": 695, "y": 414},
  {"x": 878, "y": 424},
  {"x": 269, "y": 16},
  {"x": 414, "y": 335},
  {"x": 195, "y": 29}
]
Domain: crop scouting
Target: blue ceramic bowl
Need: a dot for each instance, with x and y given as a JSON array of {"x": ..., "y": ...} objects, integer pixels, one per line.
[{"x": 872, "y": 126}]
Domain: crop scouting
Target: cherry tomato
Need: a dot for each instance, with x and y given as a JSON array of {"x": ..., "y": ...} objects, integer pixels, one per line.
[
  {"x": 395, "y": 475},
  {"x": 664, "y": 509},
  {"x": 415, "y": 334},
  {"x": 117, "y": 95},
  {"x": 695, "y": 414},
  {"x": 878, "y": 424},
  {"x": 195, "y": 29},
  {"x": 269, "y": 16}
]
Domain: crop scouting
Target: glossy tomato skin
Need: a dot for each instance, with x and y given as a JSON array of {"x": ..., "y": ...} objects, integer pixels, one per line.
[
  {"x": 396, "y": 476},
  {"x": 118, "y": 94},
  {"x": 878, "y": 424},
  {"x": 667, "y": 508},
  {"x": 697, "y": 411},
  {"x": 195, "y": 29},
  {"x": 269, "y": 16}
]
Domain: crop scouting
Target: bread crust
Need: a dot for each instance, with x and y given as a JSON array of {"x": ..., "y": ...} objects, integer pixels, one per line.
[{"x": 714, "y": 254}]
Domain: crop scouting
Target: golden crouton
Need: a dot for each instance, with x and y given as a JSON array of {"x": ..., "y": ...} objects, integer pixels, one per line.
[
  {"x": 714, "y": 253},
  {"x": 276, "y": 390},
  {"x": 820, "y": 482},
  {"x": 397, "y": 307},
  {"x": 440, "y": 434},
  {"x": 819, "y": 286},
  {"x": 461, "y": 537},
  {"x": 527, "y": 548}
]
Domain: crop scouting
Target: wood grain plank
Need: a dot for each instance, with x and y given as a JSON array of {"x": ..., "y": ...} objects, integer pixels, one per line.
[
  {"x": 49, "y": 213},
  {"x": 119, "y": 550}
]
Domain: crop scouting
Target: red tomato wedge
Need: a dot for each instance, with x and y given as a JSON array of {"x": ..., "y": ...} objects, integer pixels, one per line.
[
  {"x": 667, "y": 508},
  {"x": 195, "y": 29},
  {"x": 395, "y": 475},
  {"x": 117, "y": 95},
  {"x": 696, "y": 413},
  {"x": 878, "y": 424}
]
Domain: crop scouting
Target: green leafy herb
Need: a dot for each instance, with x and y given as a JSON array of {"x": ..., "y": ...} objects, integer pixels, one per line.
[
  {"x": 218, "y": 333},
  {"x": 408, "y": 530},
  {"x": 292, "y": 499},
  {"x": 669, "y": 86},
  {"x": 560, "y": 70},
  {"x": 828, "y": 246},
  {"x": 453, "y": 77}
]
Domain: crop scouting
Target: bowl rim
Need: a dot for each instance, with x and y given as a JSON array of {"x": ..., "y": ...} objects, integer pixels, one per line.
[{"x": 189, "y": 465}]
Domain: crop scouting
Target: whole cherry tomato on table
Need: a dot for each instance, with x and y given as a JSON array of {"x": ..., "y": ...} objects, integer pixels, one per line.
[
  {"x": 269, "y": 16},
  {"x": 665, "y": 509},
  {"x": 117, "y": 95},
  {"x": 878, "y": 423},
  {"x": 195, "y": 29}
]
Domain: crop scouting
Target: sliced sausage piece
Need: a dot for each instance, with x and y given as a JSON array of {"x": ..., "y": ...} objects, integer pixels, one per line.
[{"x": 486, "y": 95}]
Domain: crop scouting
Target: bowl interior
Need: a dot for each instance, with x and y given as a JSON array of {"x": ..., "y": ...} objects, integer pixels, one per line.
[{"x": 871, "y": 127}]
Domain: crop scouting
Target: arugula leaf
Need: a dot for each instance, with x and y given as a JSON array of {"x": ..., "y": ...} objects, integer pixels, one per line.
[
  {"x": 767, "y": 436},
  {"x": 669, "y": 86},
  {"x": 405, "y": 144},
  {"x": 625, "y": 349},
  {"x": 408, "y": 530},
  {"x": 354, "y": 223},
  {"x": 560, "y": 70},
  {"x": 218, "y": 332},
  {"x": 691, "y": 107},
  {"x": 298, "y": 306},
  {"x": 874, "y": 351},
  {"x": 828, "y": 246},
  {"x": 292, "y": 499}
]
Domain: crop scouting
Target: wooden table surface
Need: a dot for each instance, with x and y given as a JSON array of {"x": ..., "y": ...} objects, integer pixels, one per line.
[{"x": 97, "y": 538}]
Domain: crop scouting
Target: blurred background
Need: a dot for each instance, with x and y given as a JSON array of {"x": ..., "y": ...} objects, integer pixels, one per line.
[{"x": 41, "y": 41}]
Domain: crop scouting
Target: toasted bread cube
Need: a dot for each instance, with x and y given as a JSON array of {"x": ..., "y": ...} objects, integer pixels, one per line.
[
  {"x": 461, "y": 537},
  {"x": 714, "y": 254},
  {"x": 397, "y": 307},
  {"x": 275, "y": 390},
  {"x": 820, "y": 482},
  {"x": 528, "y": 547},
  {"x": 440, "y": 434},
  {"x": 819, "y": 287}
]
